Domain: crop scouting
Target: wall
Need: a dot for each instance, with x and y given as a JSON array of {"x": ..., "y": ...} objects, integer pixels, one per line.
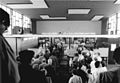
[
  {"x": 18, "y": 44},
  {"x": 29, "y": 44},
  {"x": 68, "y": 26}
]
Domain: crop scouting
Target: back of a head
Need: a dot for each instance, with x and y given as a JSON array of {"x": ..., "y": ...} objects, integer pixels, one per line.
[
  {"x": 4, "y": 18},
  {"x": 80, "y": 65},
  {"x": 74, "y": 71},
  {"x": 26, "y": 56},
  {"x": 97, "y": 64},
  {"x": 116, "y": 55},
  {"x": 103, "y": 63}
]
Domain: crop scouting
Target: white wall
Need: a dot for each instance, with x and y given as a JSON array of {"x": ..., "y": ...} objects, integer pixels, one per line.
[
  {"x": 12, "y": 43},
  {"x": 21, "y": 44},
  {"x": 69, "y": 26},
  {"x": 29, "y": 44}
]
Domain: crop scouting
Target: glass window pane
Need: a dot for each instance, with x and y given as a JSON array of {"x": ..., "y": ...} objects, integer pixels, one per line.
[
  {"x": 112, "y": 25},
  {"x": 118, "y": 24},
  {"x": 13, "y": 22},
  {"x": 14, "y": 13}
]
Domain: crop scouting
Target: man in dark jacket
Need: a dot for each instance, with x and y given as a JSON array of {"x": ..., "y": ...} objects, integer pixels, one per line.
[
  {"x": 113, "y": 75},
  {"x": 27, "y": 73},
  {"x": 8, "y": 64}
]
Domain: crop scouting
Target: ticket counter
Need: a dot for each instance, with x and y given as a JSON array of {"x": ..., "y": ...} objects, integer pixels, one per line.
[{"x": 105, "y": 43}]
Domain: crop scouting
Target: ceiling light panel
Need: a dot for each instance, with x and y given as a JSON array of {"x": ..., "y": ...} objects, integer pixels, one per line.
[
  {"x": 47, "y": 17},
  {"x": 78, "y": 11},
  {"x": 101, "y": 0},
  {"x": 57, "y": 18},
  {"x": 97, "y": 18},
  {"x": 41, "y": 3},
  {"x": 36, "y": 4},
  {"x": 44, "y": 16}
]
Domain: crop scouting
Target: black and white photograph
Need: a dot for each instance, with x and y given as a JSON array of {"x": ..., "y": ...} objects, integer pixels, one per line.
[{"x": 59, "y": 41}]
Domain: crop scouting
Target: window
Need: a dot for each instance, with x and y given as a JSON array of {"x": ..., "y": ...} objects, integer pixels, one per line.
[
  {"x": 118, "y": 24},
  {"x": 26, "y": 22},
  {"x": 16, "y": 20},
  {"x": 112, "y": 25}
]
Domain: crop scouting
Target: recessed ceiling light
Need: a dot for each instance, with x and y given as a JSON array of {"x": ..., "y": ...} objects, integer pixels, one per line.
[
  {"x": 101, "y": 0},
  {"x": 97, "y": 17},
  {"x": 36, "y": 4},
  {"x": 117, "y": 2},
  {"x": 57, "y": 18},
  {"x": 44, "y": 16},
  {"x": 48, "y": 17},
  {"x": 78, "y": 11}
]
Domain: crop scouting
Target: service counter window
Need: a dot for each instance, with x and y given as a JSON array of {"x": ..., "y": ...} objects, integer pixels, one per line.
[{"x": 104, "y": 45}]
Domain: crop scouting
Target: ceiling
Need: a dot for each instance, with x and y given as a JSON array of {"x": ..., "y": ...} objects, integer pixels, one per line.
[{"x": 59, "y": 8}]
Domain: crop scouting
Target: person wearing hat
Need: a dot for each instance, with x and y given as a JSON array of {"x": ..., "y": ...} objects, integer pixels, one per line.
[{"x": 8, "y": 65}]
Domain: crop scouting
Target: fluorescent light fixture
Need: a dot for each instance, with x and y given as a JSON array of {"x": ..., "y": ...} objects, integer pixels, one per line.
[
  {"x": 57, "y": 18},
  {"x": 78, "y": 11},
  {"x": 44, "y": 16},
  {"x": 36, "y": 4},
  {"x": 47, "y": 17},
  {"x": 117, "y": 2},
  {"x": 97, "y": 17},
  {"x": 57, "y": 35},
  {"x": 101, "y": 0}
]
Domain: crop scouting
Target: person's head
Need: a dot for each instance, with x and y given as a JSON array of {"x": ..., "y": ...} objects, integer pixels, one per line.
[
  {"x": 80, "y": 65},
  {"x": 74, "y": 72},
  {"x": 50, "y": 61},
  {"x": 89, "y": 71},
  {"x": 88, "y": 60},
  {"x": 35, "y": 66},
  {"x": 103, "y": 63},
  {"x": 76, "y": 54},
  {"x": 97, "y": 64},
  {"x": 43, "y": 60},
  {"x": 26, "y": 56},
  {"x": 4, "y": 20},
  {"x": 59, "y": 45},
  {"x": 116, "y": 55},
  {"x": 79, "y": 49}
]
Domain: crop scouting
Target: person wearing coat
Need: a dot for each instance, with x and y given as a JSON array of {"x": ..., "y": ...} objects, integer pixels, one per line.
[
  {"x": 8, "y": 65},
  {"x": 113, "y": 74}
]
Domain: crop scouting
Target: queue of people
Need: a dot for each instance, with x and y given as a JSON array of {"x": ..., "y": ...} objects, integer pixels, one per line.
[
  {"x": 58, "y": 67},
  {"x": 52, "y": 64}
]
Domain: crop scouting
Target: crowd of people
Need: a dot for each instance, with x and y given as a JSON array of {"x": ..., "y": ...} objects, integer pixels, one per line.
[
  {"x": 52, "y": 63},
  {"x": 56, "y": 66}
]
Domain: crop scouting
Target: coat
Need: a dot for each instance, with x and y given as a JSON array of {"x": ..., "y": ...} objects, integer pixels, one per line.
[
  {"x": 111, "y": 76},
  {"x": 8, "y": 64}
]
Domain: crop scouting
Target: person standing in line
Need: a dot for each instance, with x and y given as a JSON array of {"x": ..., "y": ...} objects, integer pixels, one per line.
[
  {"x": 8, "y": 65},
  {"x": 75, "y": 78},
  {"x": 113, "y": 74}
]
